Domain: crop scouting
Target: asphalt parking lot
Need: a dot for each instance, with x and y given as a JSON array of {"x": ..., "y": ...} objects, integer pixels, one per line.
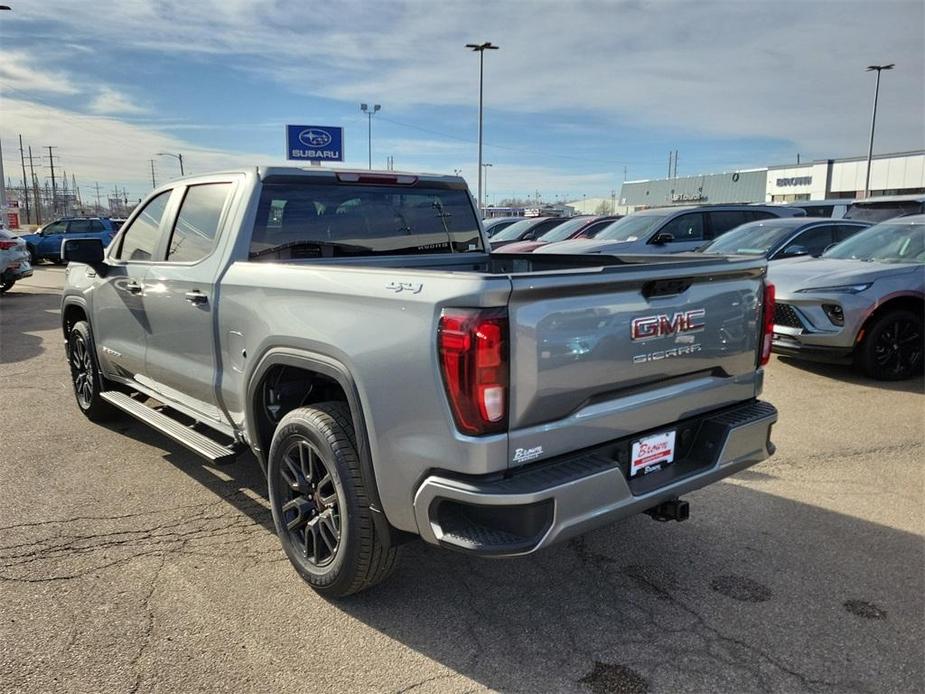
[{"x": 126, "y": 564}]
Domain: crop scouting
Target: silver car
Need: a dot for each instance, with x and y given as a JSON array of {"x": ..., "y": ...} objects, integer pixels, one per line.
[
  {"x": 861, "y": 302},
  {"x": 14, "y": 260}
]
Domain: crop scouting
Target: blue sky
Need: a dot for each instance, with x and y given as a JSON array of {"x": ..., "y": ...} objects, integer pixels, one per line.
[{"x": 577, "y": 92}]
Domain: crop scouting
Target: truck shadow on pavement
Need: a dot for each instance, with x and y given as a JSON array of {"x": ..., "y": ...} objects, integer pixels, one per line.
[
  {"x": 24, "y": 313},
  {"x": 742, "y": 597},
  {"x": 850, "y": 374}
]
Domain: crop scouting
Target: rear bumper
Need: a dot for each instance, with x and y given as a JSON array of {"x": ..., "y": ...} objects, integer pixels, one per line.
[{"x": 540, "y": 505}]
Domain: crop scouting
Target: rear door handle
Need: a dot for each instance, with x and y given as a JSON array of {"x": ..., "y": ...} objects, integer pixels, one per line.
[
  {"x": 133, "y": 287},
  {"x": 196, "y": 297}
]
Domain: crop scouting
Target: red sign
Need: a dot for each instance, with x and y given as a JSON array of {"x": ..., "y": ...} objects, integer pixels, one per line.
[{"x": 12, "y": 220}]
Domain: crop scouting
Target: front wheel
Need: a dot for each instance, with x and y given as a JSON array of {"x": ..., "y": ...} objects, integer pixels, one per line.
[
  {"x": 6, "y": 286},
  {"x": 893, "y": 346},
  {"x": 320, "y": 502},
  {"x": 33, "y": 255},
  {"x": 85, "y": 374}
]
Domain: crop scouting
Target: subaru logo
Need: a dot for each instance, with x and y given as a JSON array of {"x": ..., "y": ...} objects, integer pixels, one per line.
[{"x": 315, "y": 138}]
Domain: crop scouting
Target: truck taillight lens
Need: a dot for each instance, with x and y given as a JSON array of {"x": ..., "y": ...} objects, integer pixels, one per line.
[
  {"x": 767, "y": 324},
  {"x": 473, "y": 351}
]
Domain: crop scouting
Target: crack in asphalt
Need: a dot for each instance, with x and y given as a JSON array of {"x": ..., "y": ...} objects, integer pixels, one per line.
[
  {"x": 603, "y": 563},
  {"x": 74, "y": 547},
  {"x": 148, "y": 626}
]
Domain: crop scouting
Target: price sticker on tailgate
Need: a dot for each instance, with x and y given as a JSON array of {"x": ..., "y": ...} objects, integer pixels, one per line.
[{"x": 652, "y": 453}]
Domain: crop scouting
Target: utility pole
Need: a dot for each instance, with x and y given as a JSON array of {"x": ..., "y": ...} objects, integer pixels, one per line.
[
  {"x": 613, "y": 201},
  {"x": 97, "y": 184},
  {"x": 35, "y": 190},
  {"x": 873, "y": 122},
  {"x": 25, "y": 188},
  {"x": 480, "y": 48},
  {"x": 670, "y": 153},
  {"x": 2, "y": 190},
  {"x": 76, "y": 191},
  {"x": 54, "y": 187},
  {"x": 153, "y": 180}
]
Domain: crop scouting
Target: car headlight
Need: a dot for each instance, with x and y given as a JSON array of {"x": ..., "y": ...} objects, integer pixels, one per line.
[{"x": 839, "y": 289}]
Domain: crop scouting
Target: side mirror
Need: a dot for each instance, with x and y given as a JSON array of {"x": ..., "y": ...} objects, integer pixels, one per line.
[
  {"x": 795, "y": 250},
  {"x": 663, "y": 237},
  {"x": 87, "y": 251}
]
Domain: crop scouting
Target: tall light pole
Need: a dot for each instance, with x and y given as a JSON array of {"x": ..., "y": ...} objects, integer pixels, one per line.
[
  {"x": 485, "y": 176},
  {"x": 873, "y": 122},
  {"x": 178, "y": 157},
  {"x": 2, "y": 177},
  {"x": 369, "y": 115},
  {"x": 480, "y": 48}
]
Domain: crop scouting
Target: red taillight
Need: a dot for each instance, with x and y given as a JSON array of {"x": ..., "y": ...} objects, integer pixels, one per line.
[
  {"x": 472, "y": 347},
  {"x": 767, "y": 323},
  {"x": 7, "y": 245}
]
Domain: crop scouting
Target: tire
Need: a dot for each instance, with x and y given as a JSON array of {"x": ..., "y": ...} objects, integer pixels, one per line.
[
  {"x": 6, "y": 286},
  {"x": 318, "y": 495},
  {"x": 893, "y": 346},
  {"x": 85, "y": 375},
  {"x": 33, "y": 256}
]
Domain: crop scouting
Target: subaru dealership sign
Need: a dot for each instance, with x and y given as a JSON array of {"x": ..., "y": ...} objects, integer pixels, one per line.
[{"x": 314, "y": 143}]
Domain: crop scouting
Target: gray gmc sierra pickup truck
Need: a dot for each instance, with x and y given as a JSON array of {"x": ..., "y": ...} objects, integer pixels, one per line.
[{"x": 394, "y": 379}]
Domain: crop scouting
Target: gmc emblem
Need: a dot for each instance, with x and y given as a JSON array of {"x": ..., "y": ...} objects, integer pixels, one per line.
[{"x": 650, "y": 327}]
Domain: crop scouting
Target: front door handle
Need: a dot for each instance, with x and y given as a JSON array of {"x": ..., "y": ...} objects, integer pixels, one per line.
[
  {"x": 196, "y": 297},
  {"x": 133, "y": 288}
]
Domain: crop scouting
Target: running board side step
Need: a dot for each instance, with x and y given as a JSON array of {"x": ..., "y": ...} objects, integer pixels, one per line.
[{"x": 198, "y": 443}]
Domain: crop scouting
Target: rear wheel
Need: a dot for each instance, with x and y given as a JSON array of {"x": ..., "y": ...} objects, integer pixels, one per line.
[
  {"x": 6, "y": 286},
  {"x": 85, "y": 374},
  {"x": 893, "y": 346},
  {"x": 320, "y": 502}
]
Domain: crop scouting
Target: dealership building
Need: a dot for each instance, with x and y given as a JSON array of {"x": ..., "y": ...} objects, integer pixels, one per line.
[{"x": 900, "y": 173}]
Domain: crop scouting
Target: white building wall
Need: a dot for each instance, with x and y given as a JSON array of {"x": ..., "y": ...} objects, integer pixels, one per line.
[
  {"x": 787, "y": 181},
  {"x": 888, "y": 173}
]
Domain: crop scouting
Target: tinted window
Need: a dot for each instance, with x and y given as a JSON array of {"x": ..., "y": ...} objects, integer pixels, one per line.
[
  {"x": 516, "y": 231},
  {"x": 687, "y": 227},
  {"x": 755, "y": 215},
  {"x": 757, "y": 238},
  {"x": 881, "y": 211},
  {"x": 197, "y": 222},
  {"x": 594, "y": 229},
  {"x": 97, "y": 225},
  {"x": 55, "y": 228},
  {"x": 542, "y": 228},
  {"x": 814, "y": 240},
  {"x": 141, "y": 236},
  {"x": 723, "y": 221},
  {"x": 495, "y": 228},
  {"x": 79, "y": 226},
  {"x": 844, "y": 231},
  {"x": 631, "y": 227},
  {"x": 305, "y": 220},
  {"x": 563, "y": 231}
]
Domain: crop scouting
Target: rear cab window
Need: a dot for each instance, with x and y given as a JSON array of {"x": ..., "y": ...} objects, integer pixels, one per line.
[{"x": 323, "y": 220}]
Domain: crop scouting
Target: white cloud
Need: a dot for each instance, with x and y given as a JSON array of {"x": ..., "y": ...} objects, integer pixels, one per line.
[
  {"x": 108, "y": 100},
  {"x": 18, "y": 70}
]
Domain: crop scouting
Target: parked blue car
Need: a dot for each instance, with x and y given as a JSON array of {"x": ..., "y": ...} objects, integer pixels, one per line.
[{"x": 45, "y": 244}]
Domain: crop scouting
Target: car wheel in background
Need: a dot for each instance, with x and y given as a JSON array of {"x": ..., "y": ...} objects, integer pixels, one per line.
[
  {"x": 893, "y": 346},
  {"x": 320, "y": 503},
  {"x": 33, "y": 255},
  {"x": 85, "y": 374}
]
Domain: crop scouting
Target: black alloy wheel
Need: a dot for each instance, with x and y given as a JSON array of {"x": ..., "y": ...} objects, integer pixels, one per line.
[
  {"x": 312, "y": 511},
  {"x": 85, "y": 374},
  {"x": 893, "y": 348}
]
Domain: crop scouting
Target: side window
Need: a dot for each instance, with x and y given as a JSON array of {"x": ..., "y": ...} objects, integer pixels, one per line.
[
  {"x": 55, "y": 228},
  {"x": 755, "y": 215},
  {"x": 196, "y": 227},
  {"x": 723, "y": 221},
  {"x": 79, "y": 226},
  {"x": 141, "y": 236},
  {"x": 96, "y": 225},
  {"x": 814, "y": 240},
  {"x": 541, "y": 229},
  {"x": 592, "y": 231},
  {"x": 687, "y": 227},
  {"x": 844, "y": 231}
]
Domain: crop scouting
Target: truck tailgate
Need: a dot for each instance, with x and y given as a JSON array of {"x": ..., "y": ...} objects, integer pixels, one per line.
[{"x": 599, "y": 355}]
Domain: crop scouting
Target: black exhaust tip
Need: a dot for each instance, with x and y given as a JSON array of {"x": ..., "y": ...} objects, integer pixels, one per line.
[{"x": 671, "y": 510}]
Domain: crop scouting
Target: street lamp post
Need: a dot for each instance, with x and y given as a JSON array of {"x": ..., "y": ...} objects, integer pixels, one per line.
[
  {"x": 873, "y": 122},
  {"x": 369, "y": 115},
  {"x": 485, "y": 177},
  {"x": 480, "y": 48},
  {"x": 178, "y": 157}
]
